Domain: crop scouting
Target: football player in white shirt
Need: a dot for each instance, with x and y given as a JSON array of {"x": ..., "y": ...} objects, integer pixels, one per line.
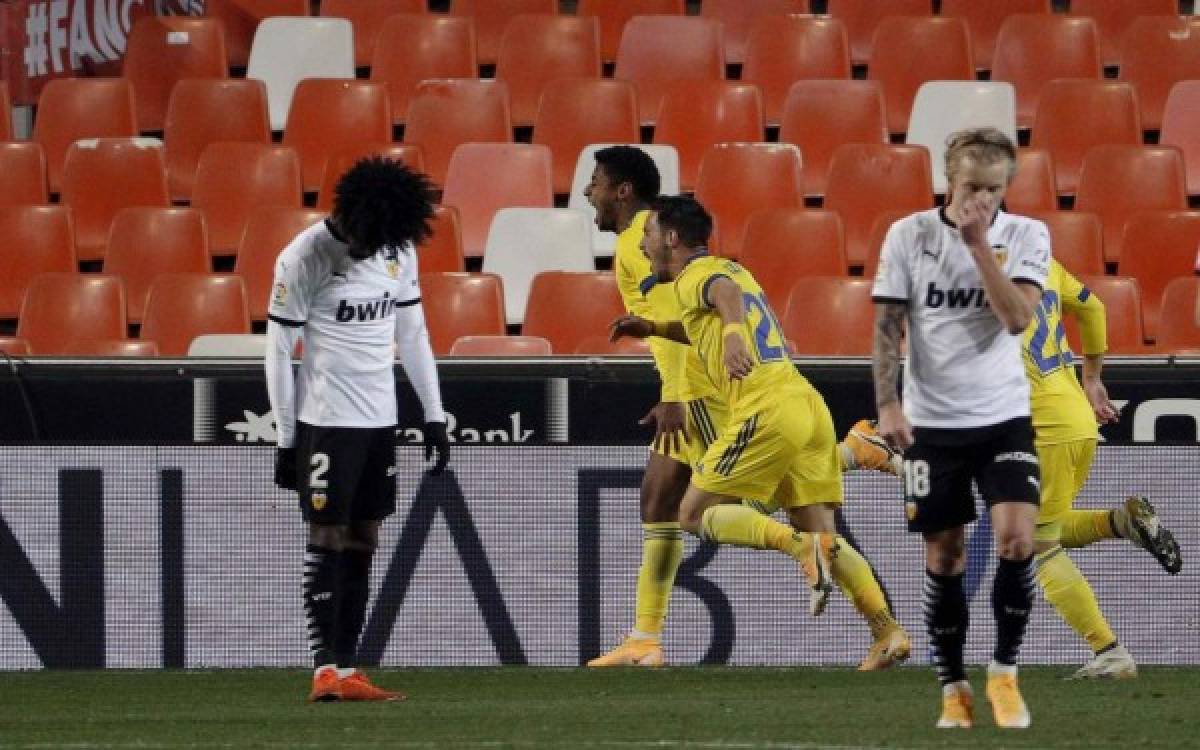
[
  {"x": 966, "y": 280},
  {"x": 348, "y": 287}
]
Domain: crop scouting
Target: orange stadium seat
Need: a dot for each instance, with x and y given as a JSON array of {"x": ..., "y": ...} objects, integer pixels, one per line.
[
  {"x": 182, "y": 306},
  {"x": 984, "y": 20},
  {"x": 1156, "y": 53},
  {"x": 445, "y": 113},
  {"x": 600, "y": 345},
  {"x": 874, "y": 248},
  {"x": 461, "y": 304},
  {"x": 145, "y": 242},
  {"x": 656, "y": 67},
  {"x": 162, "y": 50},
  {"x": 575, "y": 112},
  {"x": 1110, "y": 110},
  {"x": 614, "y": 14},
  {"x": 331, "y": 115},
  {"x": 414, "y": 48},
  {"x": 114, "y": 348},
  {"x": 1032, "y": 190},
  {"x": 342, "y": 159},
  {"x": 15, "y": 346},
  {"x": 781, "y": 50},
  {"x": 566, "y": 307},
  {"x": 1177, "y": 327},
  {"x": 61, "y": 309},
  {"x": 367, "y": 17},
  {"x": 103, "y": 176},
  {"x": 1119, "y": 181},
  {"x": 73, "y": 108},
  {"x": 1158, "y": 246},
  {"x": 901, "y": 72},
  {"x": 830, "y": 316},
  {"x": 1034, "y": 49},
  {"x": 205, "y": 111},
  {"x": 37, "y": 239},
  {"x": 820, "y": 115},
  {"x": 1076, "y": 240},
  {"x": 1181, "y": 128},
  {"x": 500, "y": 346},
  {"x": 1114, "y": 17},
  {"x": 784, "y": 244},
  {"x": 738, "y": 16},
  {"x": 444, "y": 250},
  {"x": 484, "y": 177},
  {"x": 235, "y": 180},
  {"x": 6, "y": 133},
  {"x": 23, "y": 174},
  {"x": 491, "y": 18},
  {"x": 1122, "y": 311},
  {"x": 698, "y": 113},
  {"x": 862, "y": 16},
  {"x": 240, "y": 18},
  {"x": 268, "y": 232},
  {"x": 867, "y": 179},
  {"x": 737, "y": 179},
  {"x": 536, "y": 50}
]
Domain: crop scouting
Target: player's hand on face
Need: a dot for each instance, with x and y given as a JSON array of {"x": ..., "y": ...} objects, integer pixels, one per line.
[
  {"x": 286, "y": 475},
  {"x": 437, "y": 441},
  {"x": 670, "y": 425},
  {"x": 975, "y": 217},
  {"x": 630, "y": 325},
  {"x": 894, "y": 427},
  {"x": 1097, "y": 396},
  {"x": 738, "y": 362}
]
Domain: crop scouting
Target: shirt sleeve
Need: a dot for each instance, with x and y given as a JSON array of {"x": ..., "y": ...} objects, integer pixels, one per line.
[
  {"x": 893, "y": 276},
  {"x": 410, "y": 287},
  {"x": 1088, "y": 309},
  {"x": 634, "y": 287},
  {"x": 1031, "y": 261},
  {"x": 290, "y": 292}
]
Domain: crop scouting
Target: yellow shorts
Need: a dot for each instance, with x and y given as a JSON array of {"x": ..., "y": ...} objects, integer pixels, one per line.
[
  {"x": 1065, "y": 468},
  {"x": 785, "y": 454},
  {"x": 705, "y": 420}
]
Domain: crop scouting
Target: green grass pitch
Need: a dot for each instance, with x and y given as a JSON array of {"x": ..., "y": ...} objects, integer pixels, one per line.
[{"x": 701, "y": 707}]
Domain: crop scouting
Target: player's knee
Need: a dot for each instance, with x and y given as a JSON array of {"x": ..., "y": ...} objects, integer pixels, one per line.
[
  {"x": 327, "y": 536},
  {"x": 363, "y": 537},
  {"x": 1014, "y": 545},
  {"x": 946, "y": 557}
]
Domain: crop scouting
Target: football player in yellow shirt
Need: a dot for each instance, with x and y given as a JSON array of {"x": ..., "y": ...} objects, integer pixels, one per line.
[
  {"x": 777, "y": 445},
  {"x": 1065, "y": 417}
]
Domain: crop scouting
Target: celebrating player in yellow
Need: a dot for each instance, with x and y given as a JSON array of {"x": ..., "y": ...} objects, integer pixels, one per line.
[
  {"x": 778, "y": 443},
  {"x": 1065, "y": 415}
]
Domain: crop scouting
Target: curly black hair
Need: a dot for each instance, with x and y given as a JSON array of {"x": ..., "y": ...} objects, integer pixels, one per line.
[
  {"x": 381, "y": 203},
  {"x": 686, "y": 216},
  {"x": 633, "y": 165}
]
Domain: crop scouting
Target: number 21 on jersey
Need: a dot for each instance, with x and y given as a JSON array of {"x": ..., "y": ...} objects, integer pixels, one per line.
[{"x": 768, "y": 334}]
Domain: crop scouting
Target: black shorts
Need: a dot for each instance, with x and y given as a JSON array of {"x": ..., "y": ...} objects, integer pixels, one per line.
[
  {"x": 346, "y": 473},
  {"x": 940, "y": 465}
]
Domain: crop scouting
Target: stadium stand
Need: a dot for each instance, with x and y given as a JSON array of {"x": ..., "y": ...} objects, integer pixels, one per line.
[
  {"x": 1076, "y": 240},
  {"x": 443, "y": 251},
  {"x": 61, "y": 309},
  {"x": 781, "y": 50},
  {"x": 235, "y": 180},
  {"x": 879, "y": 229},
  {"x": 655, "y": 67},
  {"x": 485, "y": 177},
  {"x": 182, "y": 306},
  {"x": 144, "y": 242},
  {"x": 1177, "y": 328},
  {"x": 162, "y": 50},
  {"x": 553, "y": 311},
  {"x": 229, "y": 345},
  {"x": 737, "y": 179},
  {"x": 1157, "y": 247},
  {"x": 1114, "y": 17},
  {"x": 575, "y": 112},
  {"x": 1181, "y": 128},
  {"x": 344, "y": 157},
  {"x": 1156, "y": 53},
  {"x": 614, "y": 14},
  {"x": 821, "y": 115},
  {"x": 500, "y": 346},
  {"x": 491, "y": 17},
  {"x": 984, "y": 20},
  {"x": 73, "y": 108},
  {"x": 1109, "y": 109},
  {"x": 15, "y": 346},
  {"x": 414, "y": 48},
  {"x": 697, "y": 113},
  {"x": 1123, "y": 311},
  {"x": 1032, "y": 189},
  {"x": 287, "y": 50},
  {"x": 240, "y": 19},
  {"x": 461, "y": 304},
  {"x": 781, "y": 245},
  {"x": 367, "y": 18},
  {"x": 901, "y": 73},
  {"x": 445, "y": 113},
  {"x": 943, "y": 107},
  {"x": 738, "y": 16},
  {"x": 331, "y": 115},
  {"x": 23, "y": 174},
  {"x": 268, "y": 231},
  {"x": 537, "y": 49},
  {"x": 37, "y": 239},
  {"x": 861, "y": 17},
  {"x": 114, "y": 348},
  {"x": 1034, "y": 49},
  {"x": 830, "y": 316},
  {"x": 6, "y": 133}
]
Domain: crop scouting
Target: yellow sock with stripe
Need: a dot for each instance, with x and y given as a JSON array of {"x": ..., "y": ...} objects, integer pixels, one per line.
[
  {"x": 854, "y": 575},
  {"x": 746, "y": 527},
  {"x": 1068, "y": 591},
  {"x": 1083, "y": 527},
  {"x": 662, "y": 550}
]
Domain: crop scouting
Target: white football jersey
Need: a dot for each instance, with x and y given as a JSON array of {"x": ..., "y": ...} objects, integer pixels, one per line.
[
  {"x": 963, "y": 369},
  {"x": 347, "y": 309}
]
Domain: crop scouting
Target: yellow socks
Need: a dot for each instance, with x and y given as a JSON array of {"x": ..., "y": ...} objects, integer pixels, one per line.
[
  {"x": 1069, "y": 592},
  {"x": 1083, "y": 527},
  {"x": 855, "y": 577},
  {"x": 746, "y": 527},
  {"x": 662, "y": 550}
]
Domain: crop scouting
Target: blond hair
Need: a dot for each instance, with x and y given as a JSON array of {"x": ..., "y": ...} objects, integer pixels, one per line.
[{"x": 984, "y": 145}]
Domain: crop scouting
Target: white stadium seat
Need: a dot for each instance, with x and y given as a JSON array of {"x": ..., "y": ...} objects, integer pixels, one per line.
[
  {"x": 288, "y": 49},
  {"x": 942, "y": 107}
]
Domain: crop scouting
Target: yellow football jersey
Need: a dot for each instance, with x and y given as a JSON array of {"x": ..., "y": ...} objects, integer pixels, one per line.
[
  {"x": 683, "y": 375},
  {"x": 773, "y": 368},
  {"x": 1061, "y": 411}
]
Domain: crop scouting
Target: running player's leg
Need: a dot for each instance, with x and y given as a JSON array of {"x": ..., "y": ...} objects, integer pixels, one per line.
[{"x": 1135, "y": 520}]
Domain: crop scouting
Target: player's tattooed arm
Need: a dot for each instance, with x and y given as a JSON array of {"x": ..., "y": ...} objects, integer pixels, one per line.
[{"x": 885, "y": 359}]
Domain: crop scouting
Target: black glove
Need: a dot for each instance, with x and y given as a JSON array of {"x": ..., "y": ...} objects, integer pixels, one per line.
[
  {"x": 436, "y": 441},
  {"x": 285, "y": 469}
]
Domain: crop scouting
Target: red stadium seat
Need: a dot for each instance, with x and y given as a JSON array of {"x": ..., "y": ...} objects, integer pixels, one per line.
[
  {"x": 414, "y": 48},
  {"x": 655, "y": 68},
  {"x": 73, "y": 108},
  {"x": 1177, "y": 327},
  {"x": 1181, "y": 128},
  {"x": 15, "y": 346},
  {"x": 461, "y": 304},
  {"x": 1123, "y": 312},
  {"x": 784, "y": 49},
  {"x": 861, "y": 17},
  {"x": 484, "y": 177},
  {"x": 784, "y": 244},
  {"x": 901, "y": 72},
  {"x": 37, "y": 239},
  {"x": 1032, "y": 190},
  {"x": 1114, "y": 17},
  {"x": 819, "y": 116},
  {"x": 1158, "y": 246},
  {"x": 446, "y": 113},
  {"x": 500, "y": 346},
  {"x": 738, "y": 16},
  {"x": 1034, "y": 49},
  {"x": 737, "y": 179},
  {"x": 1076, "y": 240},
  {"x": 206, "y": 111},
  {"x": 331, "y": 115},
  {"x": 342, "y": 159},
  {"x": 6, "y": 133},
  {"x": 268, "y": 231},
  {"x": 566, "y": 307},
  {"x": 146, "y": 242},
  {"x": 624, "y": 346},
  {"x": 697, "y": 114},
  {"x": 491, "y": 19},
  {"x": 240, "y": 18},
  {"x": 235, "y": 180},
  {"x": 115, "y": 348},
  {"x": 182, "y": 306},
  {"x": 61, "y": 309},
  {"x": 879, "y": 229},
  {"x": 984, "y": 20},
  {"x": 575, "y": 112},
  {"x": 614, "y": 14},
  {"x": 23, "y": 174},
  {"x": 1110, "y": 110},
  {"x": 161, "y": 51},
  {"x": 830, "y": 316},
  {"x": 536, "y": 50},
  {"x": 368, "y": 17},
  {"x": 1156, "y": 53},
  {"x": 444, "y": 250}
]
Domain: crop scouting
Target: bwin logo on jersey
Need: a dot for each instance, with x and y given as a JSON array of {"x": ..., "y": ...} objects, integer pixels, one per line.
[
  {"x": 375, "y": 309},
  {"x": 952, "y": 298}
]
